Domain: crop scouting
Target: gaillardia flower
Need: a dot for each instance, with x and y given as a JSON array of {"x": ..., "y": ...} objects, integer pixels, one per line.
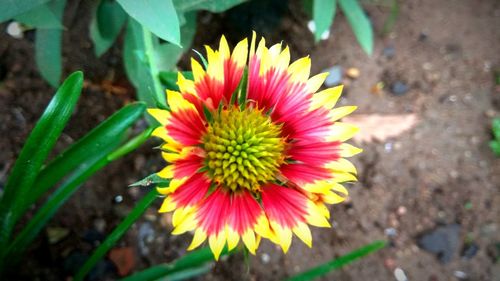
[{"x": 253, "y": 151}]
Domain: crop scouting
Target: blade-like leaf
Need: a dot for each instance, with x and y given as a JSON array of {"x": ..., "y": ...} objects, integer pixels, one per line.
[
  {"x": 60, "y": 196},
  {"x": 117, "y": 233},
  {"x": 323, "y": 14},
  {"x": 48, "y": 44},
  {"x": 169, "y": 79},
  {"x": 209, "y": 5},
  {"x": 338, "y": 262},
  {"x": 40, "y": 17},
  {"x": 152, "y": 179},
  {"x": 12, "y": 8},
  {"x": 107, "y": 21},
  {"x": 360, "y": 24},
  {"x": 99, "y": 142},
  {"x": 35, "y": 151},
  {"x": 158, "y": 16}
]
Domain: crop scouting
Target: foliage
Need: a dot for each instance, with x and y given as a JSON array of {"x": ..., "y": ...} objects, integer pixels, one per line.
[
  {"x": 495, "y": 143},
  {"x": 31, "y": 177}
]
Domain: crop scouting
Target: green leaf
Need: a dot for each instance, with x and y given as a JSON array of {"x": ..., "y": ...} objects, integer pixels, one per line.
[
  {"x": 12, "y": 8},
  {"x": 323, "y": 14},
  {"x": 195, "y": 262},
  {"x": 117, "y": 233},
  {"x": 338, "y": 262},
  {"x": 48, "y": 44},
  {"x": 158, "y": 16},
  {"x": 35, "y": 151},
  {"x": 391, "y": 19},
  {"x": 495, "y": 127},
  {"x": 107, "y": 21},
  {"x": 495, "y": 147},
  {"x": 98, "y": 143},
  {"x": 152, "y": 179},
  {"x": 140, "y": 65},
  {"x": 360, "y": 24},
  {"x": 214, "y": 6},
  {"x": 59, "y": 197},
  {"x": 40, "y": 17},
  {"x": 169, "y": 79}
]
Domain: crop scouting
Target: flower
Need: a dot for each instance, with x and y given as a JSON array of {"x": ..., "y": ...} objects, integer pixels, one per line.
[{"x": 253, "y": 151}]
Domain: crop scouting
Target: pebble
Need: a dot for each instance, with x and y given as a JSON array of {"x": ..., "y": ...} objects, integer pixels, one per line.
[
  {"x": 15, "y": 30},
  {"x": 400, "y": 275},
  {"x": 334, "y": 77},
  {"x": 352, "y": 72},
  {"x": 146, "y": 236},
  {"x": 399, "y": 88},
  {"x": 390, "y": 263},
  {"x": 124, "y": 260},
  {"x": 118, "y": 199},
  {"x": 100, "y": 225},
  {"x": 470, "y": 250},
  {"x": 265, "y": 258},
  {"x": 391, "y": 232},
  {"x": 442, "y": 241},
  {"x": 389, "y": 52},
  {"x": 490, "y": 113},
  {"x": 401, "y": 210},
  {"x": 460, "y": 274},
  {"x": 56, "y": 234}
]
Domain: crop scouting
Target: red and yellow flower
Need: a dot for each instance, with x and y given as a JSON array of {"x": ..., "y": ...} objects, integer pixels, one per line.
[{"x": 253, "y": 151}]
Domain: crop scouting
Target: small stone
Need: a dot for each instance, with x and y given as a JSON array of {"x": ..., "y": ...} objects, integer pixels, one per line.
[
  {"x": 15, "y": 30},
  {"x": 145, "y": 237},
  {"x": 100, "y": 225},
  {"x": 265, "y": 258},
  {"x": 400, "y": 275},
  {"x": 399, "y": 88},
  {"x": 391, "y": 232},
  {"x": 470, "y": 250},
  {"x": 390, "y": 263},
  {"x": 389, "y": 52},
  {"x": 334, "y": 77},
  {"x": 401, "y": 210},
  {"x": 422, "y": 37},
  {"x": 442, "y": 241},
  {"x": 352, "y": 72},
  {"x": 118, "y": 199},
  {"x": 124, "y": 260},
  {"x": 56, "y": 234},
  {"x": 460, "y": 274},
  {"x": 490, "y": 113}
]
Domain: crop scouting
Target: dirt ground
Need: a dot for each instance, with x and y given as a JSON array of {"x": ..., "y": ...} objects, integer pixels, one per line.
[{"x": 438, "y": 173}]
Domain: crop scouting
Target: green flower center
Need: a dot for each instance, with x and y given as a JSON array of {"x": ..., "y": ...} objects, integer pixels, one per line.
[{"x": 244, "y": 148}]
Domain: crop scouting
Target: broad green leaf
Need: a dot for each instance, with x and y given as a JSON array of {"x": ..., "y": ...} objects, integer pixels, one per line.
[
  {"x": 359, "y": 22},
  {"x": 35, "y": 152},
  {"x": 12, "y": 8},
  {"x": 169, "y": 79},
  {"x": 323, "y": 14},
  {"x": 108, "y": 19},
  {"x": 99, "y": 142},
  {"x": 48, "y": 44},
  {"x": 214, "y": 6},
  {"x": 40, "y": 17},
  {"x": 139, "y": 59},
  {"x": 195, "y": 262},
  {"x": 117, "y": 233},
  {"x": 61, "y": 195},
  {"x": 337, "y": 263},
  {"x": 158, "y": 16}
]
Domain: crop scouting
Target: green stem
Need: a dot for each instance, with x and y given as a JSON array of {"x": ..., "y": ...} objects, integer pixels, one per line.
[{"x": 117, "y": 233}]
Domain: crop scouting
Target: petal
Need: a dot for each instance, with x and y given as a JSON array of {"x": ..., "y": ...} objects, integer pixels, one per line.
[
  {"x": 217, "y": 243},
  {"x": 339, "y": 112},
  {"x": 315, "y": 82},
  {"x": 304, "y": 233},
  {"x": 160, "y": 115},
  {"x": 192, "y": 191},
  {"x": 326, "y": 98},
  {"x": 347, "y": 150},
  {"x": 301, "y": 173},
  {"x": 300, "y": 69},
  {"x": 342, "y": 165},
  {"x": 341, "y": 131},
  {"x": 177, "y": 102},
  {"x": 199, "y": 237}
]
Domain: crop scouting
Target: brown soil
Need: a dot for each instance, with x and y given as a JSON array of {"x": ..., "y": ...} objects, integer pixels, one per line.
[{"x": 440, "y": 172}]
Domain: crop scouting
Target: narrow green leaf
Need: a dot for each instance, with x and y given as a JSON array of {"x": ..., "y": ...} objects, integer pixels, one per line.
[
  {"x": 35, "y": 151},
  {"x": 158, "y": 16},
  {"x": 193, "y": 263},
  {"x": 208, "y": 5},
  {"x": 48, "y": 44},
  {"x": 323, "y": 14},
  {"x": 58, "y": 198},
  {"x": 152, "y": 179},
  {"x": 40, "y": 17},
  {"x": 338, "y": 262},
  {"x": 360, "y": 24},
  {"x": 140, "y": 65},
  {"x": 169, "y": 79},
  {"x": 391, "y": 19},
  {"x": 495, "y": 147},
  {"x": 12, "y": 8},
  {"x": 495, "y": 127},
  {"x": 117, "y": 233},
  {"x": 108, "y": 19},
  {"x": 99, "y": 142}
]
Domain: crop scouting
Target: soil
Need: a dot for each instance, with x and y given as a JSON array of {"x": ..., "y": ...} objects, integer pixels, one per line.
[{"x": 439, "y": 173}]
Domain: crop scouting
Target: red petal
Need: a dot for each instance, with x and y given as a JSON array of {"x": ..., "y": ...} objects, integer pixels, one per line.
[
  {"x": 300, "y": 173},
  {"x": 212, "y": 213},
  {"x": 283, "y": 205},
  {"x": 186, "y": 127},
  {"x": 191, "y": 191},
  {"x": 244, "y": 212}
]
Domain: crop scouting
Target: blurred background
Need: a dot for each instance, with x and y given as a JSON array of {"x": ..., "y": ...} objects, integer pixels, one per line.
[{"x": 428, "y": 181}]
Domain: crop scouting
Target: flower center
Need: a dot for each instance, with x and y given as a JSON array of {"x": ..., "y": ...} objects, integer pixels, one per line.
[{"x": 244, "y": 148}]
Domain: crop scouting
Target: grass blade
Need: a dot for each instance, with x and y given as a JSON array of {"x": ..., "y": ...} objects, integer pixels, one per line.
[
  {"x": 98, "y": 143},
  {"x": 359, "y": 22},
  {"x": 338, "y": 262},
  {"x": 35, "y": 152},
  {"x": 323, "y": 14},
  {"x": 117, "y": 233}
]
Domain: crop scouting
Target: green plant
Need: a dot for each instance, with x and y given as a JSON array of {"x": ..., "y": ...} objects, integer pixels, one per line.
[
  {"x": 495, "y": 143},
  {"x": 32, "y": 176}
]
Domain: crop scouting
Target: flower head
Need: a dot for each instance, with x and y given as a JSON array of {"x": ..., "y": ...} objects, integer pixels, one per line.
[{"x": 253, "y": 151}]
